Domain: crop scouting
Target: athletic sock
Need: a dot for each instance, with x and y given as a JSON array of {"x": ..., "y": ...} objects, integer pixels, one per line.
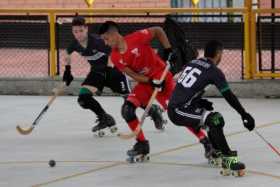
[
  {"x": 133, "y": 125},
  {"x": 200, "y": 134}
]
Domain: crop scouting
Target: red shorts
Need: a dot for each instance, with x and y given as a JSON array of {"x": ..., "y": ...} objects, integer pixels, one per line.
[{"x": 141, "y": 93}]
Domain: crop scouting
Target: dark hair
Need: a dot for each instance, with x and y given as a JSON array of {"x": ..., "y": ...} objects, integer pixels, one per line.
[
  {"x": 78, "y": 21},
  {"x": 212, "y": 47},
  {"x": 108, "y": 26}
]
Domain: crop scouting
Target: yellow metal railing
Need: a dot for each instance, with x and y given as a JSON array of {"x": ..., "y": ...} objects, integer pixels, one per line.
[
  {"x": 122, "y": 11},
  {"x": 256, "y": 73},
  {"x": 250, "y": 70}
]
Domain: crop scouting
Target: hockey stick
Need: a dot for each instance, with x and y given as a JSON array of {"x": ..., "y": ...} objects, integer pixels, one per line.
[
  {"x": 269, "y": 144},
  {"x": 147, "y": 109},
  {"x": 27, "y": 131}
]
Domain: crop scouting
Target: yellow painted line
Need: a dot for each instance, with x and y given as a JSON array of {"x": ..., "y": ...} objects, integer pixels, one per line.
[
  {"x": 258, "y": 127},
  {"x": 78, "y": 174},
  {"x": 228, "y": 135},
  {"x": 156, "y": 154},
  {"x": 57, "y": 161},
  {"x": 120, "y": 10},
  {"x": 174, "y": 149},
  {"x": 206, "y": 166},
  {"x": 263, "y": 174}
]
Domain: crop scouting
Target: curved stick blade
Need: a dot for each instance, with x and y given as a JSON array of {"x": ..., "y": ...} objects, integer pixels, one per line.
[
  {"x": 24, "y": 131},
  {"x": 126, "y": 136},
  {"x": 133, "y": 134}
]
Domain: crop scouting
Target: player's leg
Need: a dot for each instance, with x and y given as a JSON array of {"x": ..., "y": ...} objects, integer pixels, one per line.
[
  {"x": 190, "y": 117},
  {"x": 138, "y": 94},
  {"x": 214, "y": 122},
  {"x": 93, "y": 83},
  {"x": 119, "y": 83},
  {"x": 141, "y": 148},
  {"x": 164, "y": 96}
]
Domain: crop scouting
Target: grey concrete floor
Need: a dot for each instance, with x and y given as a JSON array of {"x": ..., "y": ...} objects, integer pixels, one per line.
[{"x": 83, "y": 159}]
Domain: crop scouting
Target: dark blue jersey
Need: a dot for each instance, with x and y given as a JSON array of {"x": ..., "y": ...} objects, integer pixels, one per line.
[
  {"x": 197, "y": 75},
  {"x": 96, "y": 52}
]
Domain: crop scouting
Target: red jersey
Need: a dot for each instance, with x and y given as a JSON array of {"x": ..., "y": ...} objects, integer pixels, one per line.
[{"x": 139, "y": 56}]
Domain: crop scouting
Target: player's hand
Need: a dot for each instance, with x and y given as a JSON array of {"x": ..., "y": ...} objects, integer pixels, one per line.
[
  {"x": 204, "y": 103},
  {"x": 157, "y": 84},
  {"x": 169, "y": 54},
  {"x": 67, "y": 76},
  {"x": 248, "y": 121}
]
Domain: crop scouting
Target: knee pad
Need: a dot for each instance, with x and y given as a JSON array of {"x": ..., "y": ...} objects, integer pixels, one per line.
[
  {"x": 128, "y": 111},
  {"x": 214, "y": 120},
  {"x": 84, "y": 100}
]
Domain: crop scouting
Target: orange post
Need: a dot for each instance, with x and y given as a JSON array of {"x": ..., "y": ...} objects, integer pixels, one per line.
[{"x": 247, "y": 42}]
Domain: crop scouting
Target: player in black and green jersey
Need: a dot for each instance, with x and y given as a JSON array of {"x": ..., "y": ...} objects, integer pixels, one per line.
[
  {"x": 188, "y": 108},
  {"x": 102, "y": 73}
]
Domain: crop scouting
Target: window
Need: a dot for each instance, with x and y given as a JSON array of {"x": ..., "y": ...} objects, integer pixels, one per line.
[{"x": 208, "y": 4}]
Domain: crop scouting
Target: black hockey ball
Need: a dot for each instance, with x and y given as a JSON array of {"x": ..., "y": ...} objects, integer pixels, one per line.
[{"x": 52, "y": 163}]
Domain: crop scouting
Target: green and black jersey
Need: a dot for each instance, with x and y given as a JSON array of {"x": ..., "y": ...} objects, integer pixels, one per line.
[
  {"x": 96, "y": 52},
  {"x": 196, "y": 76}
]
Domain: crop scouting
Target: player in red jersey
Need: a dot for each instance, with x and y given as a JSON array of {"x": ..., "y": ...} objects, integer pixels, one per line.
[{"x": 133, "y": 55}]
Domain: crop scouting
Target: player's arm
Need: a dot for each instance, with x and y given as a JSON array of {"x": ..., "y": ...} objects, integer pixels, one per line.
[
  {"x": 233, "y": 101},
  {"x": 158, "y": 33},
  {"x": 136, "y": 76},
  {"x": 222, "y": 85},
  {"x": 67, "y": 59},
  {"x": 144, "y": 79},
  {"x": 116, "y": 60}
]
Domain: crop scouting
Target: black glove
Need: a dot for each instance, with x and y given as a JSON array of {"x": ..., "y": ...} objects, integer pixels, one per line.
[
  {"x": 67, "y": 76},
  {"x": 169, "y": 54},
  {"x": 204, "y": 103},
  {"x": 157, "y": 84},
  {"x": 248, "y": 121}
]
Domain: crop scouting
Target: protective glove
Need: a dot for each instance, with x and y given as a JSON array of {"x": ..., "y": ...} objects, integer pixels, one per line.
[
  {"x": 67, "y": 76},
  {"x": 248, "y": 121},
  {"x": 157, "y": 84}
]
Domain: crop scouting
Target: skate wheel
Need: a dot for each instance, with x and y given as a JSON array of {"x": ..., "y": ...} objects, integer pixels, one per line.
[
  {"x": 130, "y": 160},
  {"x": 225, "y": 172},
  {"x": 101, "y": 134},
  {"x": 113, "y": 129},
  {"x": 211, "y": 162},
  {"x": 239, "y": 173},
  {"x": 130, "y": 153}
]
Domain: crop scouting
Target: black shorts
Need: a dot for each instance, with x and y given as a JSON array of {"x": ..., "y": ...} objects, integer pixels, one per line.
[
  {"x": 189, "y": 115},
  {"x": 111, "y": 78}
]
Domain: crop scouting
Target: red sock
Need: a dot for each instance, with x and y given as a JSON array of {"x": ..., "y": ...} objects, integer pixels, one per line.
[
  {"x": 132, "y": 125},
  {"x": 200, "y": 135}
]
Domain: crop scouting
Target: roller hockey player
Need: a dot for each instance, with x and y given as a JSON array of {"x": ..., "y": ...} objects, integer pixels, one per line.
[
  {"x": 102, "y": 73},
  {"x": 185, "y": 107},
  {"x": 133, "y": 55}
]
